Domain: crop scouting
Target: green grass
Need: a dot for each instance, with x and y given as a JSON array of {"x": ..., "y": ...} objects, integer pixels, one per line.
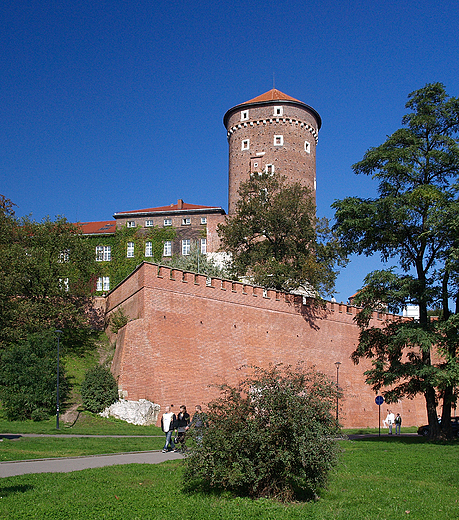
[
  {"x": 377, "y": 479},
  {"x": 87, "y": 424},
  {"x": 39, "y": 448}
]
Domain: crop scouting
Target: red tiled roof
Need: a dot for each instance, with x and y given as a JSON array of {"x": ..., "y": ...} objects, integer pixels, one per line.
[
  {"x": 179, "y": 206},
  {"x": 97, "y": 228},
  {"x": 272, "y": 94}
]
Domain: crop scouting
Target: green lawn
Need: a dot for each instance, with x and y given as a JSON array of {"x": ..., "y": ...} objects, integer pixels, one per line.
[{"x": 379, "y": 478}]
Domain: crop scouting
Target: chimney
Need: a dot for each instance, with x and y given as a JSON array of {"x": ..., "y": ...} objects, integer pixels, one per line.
[{"x": 180, "y": 204}]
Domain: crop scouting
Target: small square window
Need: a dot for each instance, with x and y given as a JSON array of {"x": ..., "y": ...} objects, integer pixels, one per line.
[
  {"x": 149, "y": 223},
  {"x": 278, "y": 140},
  {"x": 130, "y": 223},
  {"x": 203, "y": 220},
  {"x": 307, "y": 147},
  {"x": 278, "y": 111},
  {"x": 186, "y": 221},
  {"x": 244, "y": 115},
  {"x": 245, "y": 144},
  {"x": 269, "y": 169},
  {"x": 168, "y": 222}
]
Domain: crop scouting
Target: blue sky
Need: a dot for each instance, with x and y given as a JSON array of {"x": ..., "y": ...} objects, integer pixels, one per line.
[{"x": 115, "y": 105}]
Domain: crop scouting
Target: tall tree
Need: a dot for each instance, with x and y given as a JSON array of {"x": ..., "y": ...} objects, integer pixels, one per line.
[
  {"x": 46, "y": 278},
  {"x": 275, "y": 238},
  {"x": 414, "y": 222}
]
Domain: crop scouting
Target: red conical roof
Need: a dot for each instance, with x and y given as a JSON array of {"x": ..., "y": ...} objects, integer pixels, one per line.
[{"x": 271, "y": 95}]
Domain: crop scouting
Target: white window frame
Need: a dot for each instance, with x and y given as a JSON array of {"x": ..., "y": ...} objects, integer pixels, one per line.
[
  {"x": 269, "y": 169},
  {"x": 64, "y": 284},
  {"x": 103, "y": 253},
  {"x": 245, "y": 145},
  {"x": 307, "y": 147},
  {"x": 103, "y": 283},
  {"x": 167, "y": 249},
  {"x": 278, "y": 140},
  {"x": 186, "y": 247},
  {"x": 64, "y": 256},
  {"x": 186, "y": 221},
  {"x": 203, "y": 220},
  {"x": 278, "y": 111},
  {"x": 244, "y": 115},
  {"x": 130, "y": 223},
  {"x": 148, "y": 249},
  {"x": 167, "y": 222},
  {"x": 130, "y": 250},
  {"x": 203, "y": 246},
  {"x": 149, "y": 223}
]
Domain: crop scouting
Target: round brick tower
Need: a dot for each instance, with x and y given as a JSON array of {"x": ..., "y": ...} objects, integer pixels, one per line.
[{"x": 272, "y": 132}]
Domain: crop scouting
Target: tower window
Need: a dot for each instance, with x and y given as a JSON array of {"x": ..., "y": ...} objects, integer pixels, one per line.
[
  {"x": 278, "y": 111},
  {"x": 307, "y": 147},
  {"x": 278, "y": 140},
  {"x": 245, "y": 144},
  {"x": 269, "y": 169},
  {"x": 244, "y": 115}
]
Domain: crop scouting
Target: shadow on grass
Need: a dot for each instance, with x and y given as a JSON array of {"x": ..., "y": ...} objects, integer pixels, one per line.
[
  {"x": 12, "y": 490},
  {"x": 408, "y": 440}
]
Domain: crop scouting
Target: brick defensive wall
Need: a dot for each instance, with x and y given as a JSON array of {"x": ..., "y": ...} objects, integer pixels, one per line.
[{"x": 188, "y": 332}]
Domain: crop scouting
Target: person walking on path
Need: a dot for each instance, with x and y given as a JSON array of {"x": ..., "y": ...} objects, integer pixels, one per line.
[
  {"x": 398, "y": 424},
  {"x": 198, "y": 423},
  {"x": 167, "y": 425},
  {"x": 183, "y": 420}
]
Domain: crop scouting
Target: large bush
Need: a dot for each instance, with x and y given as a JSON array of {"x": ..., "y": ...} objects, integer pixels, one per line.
[
  {"x": 99, "y": 389},
  {"x": 271, "y": 435},
  {"x": 28, "y": 378}
]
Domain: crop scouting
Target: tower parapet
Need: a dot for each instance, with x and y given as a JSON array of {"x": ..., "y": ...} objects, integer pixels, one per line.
[{"x": 272, "y": 132}]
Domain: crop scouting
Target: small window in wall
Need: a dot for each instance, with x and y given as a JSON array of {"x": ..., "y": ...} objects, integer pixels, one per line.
[
  {"x": 64, "y": 284},
  {"x": 148, "y": 249},
  {"x": 256, "y": 165},
  {"x": 167, "y": 251},
  {"x": 244, "y": 115},
  {"x": 103, "y": 253},
  {"x": 149, "y": 223},
  {"x": 186, "y": 247},
  {"x": 278, "y": 140},
  {"x": 186, "y": 221},
  {"x": 64, "y": 256},
  {"x": 203, "y": 220},
  {"x": 245, "y": 144},
  {"x": 203, "y": 246},
  {"x": 307, "y": 147},
  {"x": 278, "y": 111},
  {"x": 168, "y": 222},
  {"x": 269, "y": 169},
  {"x": 130, "y": 223},
  {"x": 130, "y": 250},
  {"x": 103, "y": 283}
]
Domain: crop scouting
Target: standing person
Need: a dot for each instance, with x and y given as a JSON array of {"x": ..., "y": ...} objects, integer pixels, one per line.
[
  {"x": 398, "y": 424},
  {"x": 198, "y": 423},
  {"x": 183, "y": 420},
  {"x": 167, "y": 425},
  {"x": 390, "y": 420}
]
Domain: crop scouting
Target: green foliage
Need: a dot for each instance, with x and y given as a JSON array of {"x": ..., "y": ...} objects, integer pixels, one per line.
[
  {"x": 46, "y": 278},
  {"x": 99, "y": 389},
  {"x": 118, "y": 320},
  {"x": 197, "y": 263},
  {"x": 120, "y": 265},
  {"x": 270, "y": 436},
  {"x": 28, "y": 378},
  {"x": 415, "y": 222},
  {"x": 275, "y": 238}
]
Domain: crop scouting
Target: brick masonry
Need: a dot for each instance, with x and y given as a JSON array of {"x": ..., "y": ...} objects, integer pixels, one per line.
[{"x": 186, "y": 335}]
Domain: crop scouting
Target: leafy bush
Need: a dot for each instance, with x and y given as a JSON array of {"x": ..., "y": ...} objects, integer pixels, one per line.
[
  {"x": 270, "y": 436},
  {"x": 99, "y": 389},
  {"x": 28, "y": 378},
  {"x": 118, "y": 320}
]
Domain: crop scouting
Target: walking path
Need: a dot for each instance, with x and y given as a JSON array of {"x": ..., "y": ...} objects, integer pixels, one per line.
[{"x": 68, "y": 464}]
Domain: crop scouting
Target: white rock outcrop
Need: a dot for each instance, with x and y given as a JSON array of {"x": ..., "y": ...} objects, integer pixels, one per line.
[{"x": 141, "y": 412}]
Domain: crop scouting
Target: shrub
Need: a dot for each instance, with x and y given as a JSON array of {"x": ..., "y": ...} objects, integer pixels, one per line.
[
  {"x": 118, "y": 320},
  {"x": 270, "y": 436},
  {"x": 28, "y": 378},
  {"x": 99, "y": 389}
]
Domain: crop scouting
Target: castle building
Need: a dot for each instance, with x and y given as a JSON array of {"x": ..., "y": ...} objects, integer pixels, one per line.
[{"x": 272, "y": 132}]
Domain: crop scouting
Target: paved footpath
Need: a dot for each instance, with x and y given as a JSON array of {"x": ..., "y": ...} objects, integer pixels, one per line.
[{"x": 68, "y": 464}]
